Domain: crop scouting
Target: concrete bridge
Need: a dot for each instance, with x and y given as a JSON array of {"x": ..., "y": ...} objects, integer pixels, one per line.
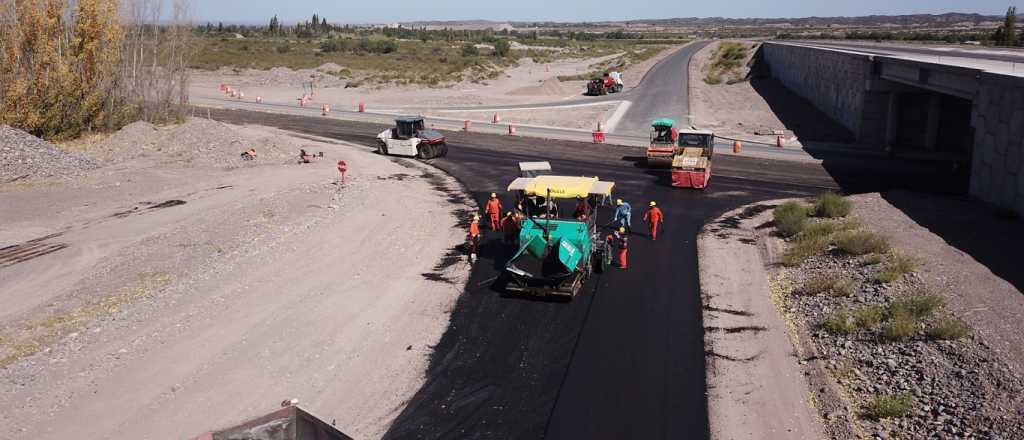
[{"x": 964, "y": 106}]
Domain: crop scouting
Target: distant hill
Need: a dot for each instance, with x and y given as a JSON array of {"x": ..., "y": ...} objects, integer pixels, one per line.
[{"x": 915, "y": 20}]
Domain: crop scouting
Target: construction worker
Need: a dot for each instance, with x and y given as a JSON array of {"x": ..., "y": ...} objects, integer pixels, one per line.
[
  {"x": 583, "y": 209},
  {"x": 493, "y": 209},
  {"x": 624, "y": 215},
  {"x": 654, "y": 217},
  {"x": 510, "y": 225},
  {"x": 621, "y": 241},
  {"x": 474, "y": 237}
]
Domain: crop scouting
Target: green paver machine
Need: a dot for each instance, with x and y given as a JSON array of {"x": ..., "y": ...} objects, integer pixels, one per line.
[
  {"x": 557, "y": 255},
  {"x": 663, "y": 142}
]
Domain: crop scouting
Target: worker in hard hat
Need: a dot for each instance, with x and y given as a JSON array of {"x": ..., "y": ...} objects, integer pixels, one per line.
[
  {"x": 474, "y": 237},
  {"x": 493, "y": 210},
  {"x": 510, "y": 225},
  {"x": 583, "y": 209},
  {"x": 624, "y": 215},
  {"x": 621, "y": 241},
  {"x": 654, "y": 217}
]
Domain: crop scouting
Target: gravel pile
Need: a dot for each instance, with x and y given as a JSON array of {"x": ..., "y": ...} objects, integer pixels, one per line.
[
  {"x": 23, "y": 156},
  {"x": 198, "y": 142},
  {"x": 957, "y": 389}
]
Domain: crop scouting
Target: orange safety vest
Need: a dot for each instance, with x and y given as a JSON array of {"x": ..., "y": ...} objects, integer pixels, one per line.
[
  {"x": 493, "y": 207},
  {"x": 654, "y": 215},
  {"x": 474, "y": 229}
]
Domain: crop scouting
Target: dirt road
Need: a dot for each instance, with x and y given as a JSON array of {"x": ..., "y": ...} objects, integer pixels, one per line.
[{"x": 252, "y": 286}]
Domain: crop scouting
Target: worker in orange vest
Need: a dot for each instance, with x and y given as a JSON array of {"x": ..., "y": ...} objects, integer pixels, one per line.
[
  {"x": 493, "y": 209},
  {"x": 654, "y": 217},
  {"x": 622, "y": 241},
  {"x": 474, "y": 237},
  {"x": 510, "y": 224}
]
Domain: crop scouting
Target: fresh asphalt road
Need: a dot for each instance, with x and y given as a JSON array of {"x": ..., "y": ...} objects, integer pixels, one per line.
[
  {"x": 662, "y": 93},
  {"x": 625, "y": 359}
]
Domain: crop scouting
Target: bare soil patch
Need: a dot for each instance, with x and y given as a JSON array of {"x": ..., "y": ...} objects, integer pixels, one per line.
[{"x": 194, "y": 291}]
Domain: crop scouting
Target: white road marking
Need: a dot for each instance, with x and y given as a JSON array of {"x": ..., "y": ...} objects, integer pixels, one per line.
[
  {"x": 614, "y": 119},
  {"x": 546, "y": 107}
]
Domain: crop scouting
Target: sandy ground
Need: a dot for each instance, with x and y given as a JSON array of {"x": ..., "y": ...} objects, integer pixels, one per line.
[
  {"x": 583, "y": 117},
  {"x": 522, "y": 84},
  {"x": 270, "y": 282},
  {"x": 529, "y": 82},
  {"x": 755, "y": 386},
  {"x": 755, "y": 109},
  {"x": 734, "y": 110},
  {"x": 962, "y": 247}
]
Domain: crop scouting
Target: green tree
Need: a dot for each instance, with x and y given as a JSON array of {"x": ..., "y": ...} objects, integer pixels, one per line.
[
  {"x": 501, "y": 47},
  {"x": 1010, "y": 27}
]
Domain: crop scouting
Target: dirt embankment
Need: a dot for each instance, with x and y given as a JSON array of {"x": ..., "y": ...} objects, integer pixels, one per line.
[
  {"x": 736, "y": 104},
  {"x": 885, "y": 337},
  {"x": 183, "y": 290}
]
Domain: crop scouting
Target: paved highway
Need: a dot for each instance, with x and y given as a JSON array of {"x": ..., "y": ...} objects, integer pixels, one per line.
[
  {"x": 996, "y": 60},
  {"x": 625, "y": 359}
]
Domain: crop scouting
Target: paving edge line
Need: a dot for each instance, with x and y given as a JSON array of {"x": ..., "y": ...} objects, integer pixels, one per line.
[{"x": 759, "y": 372}]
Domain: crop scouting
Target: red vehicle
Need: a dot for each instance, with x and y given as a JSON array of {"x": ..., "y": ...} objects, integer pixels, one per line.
[
  {"x": 691, "y": 165},
  {"x": 609, "y": 83}
]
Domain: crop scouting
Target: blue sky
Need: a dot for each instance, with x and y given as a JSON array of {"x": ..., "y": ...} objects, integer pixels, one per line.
[{"x": 348, "y": 11}]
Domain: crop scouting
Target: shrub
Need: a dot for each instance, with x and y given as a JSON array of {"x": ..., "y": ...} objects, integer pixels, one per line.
[
  {"x": 803, "y": 248},
  {"x": 470, "y": 50},
  {"x": 918, "y": 305},
  {"x": 502, "y": 48},
  {"x": 884, "y": 407},
  {"x": 790, "y": 218},
  {"x": 335, "y": 45},
  {"x": 712, "y": 79},
  {"x": 899, "y": 265},
  {"x": 868, "y": 317},
  {"x": 862, "y": 242},
  {"x": 833, "y": 284},
  {"x": 839, "y": 323},
  {"x": 899, "y": 328},
  {"x": 949, "y": 328},
  {"x": 872, "y": 260},
  {"x": 832, "y": 205},
  {"x": 283, "y": 49}
]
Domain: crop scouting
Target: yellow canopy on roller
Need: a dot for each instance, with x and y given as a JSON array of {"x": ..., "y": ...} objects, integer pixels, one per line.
[{"x": 561, "y": 187}]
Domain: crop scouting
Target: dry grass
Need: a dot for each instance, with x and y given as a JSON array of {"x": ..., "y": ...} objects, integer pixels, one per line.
[
  {"x": 727, "y": 63},
  {"x": 899, "y": 264},
  {"x": 840, "y": 322},
  {"x": 833, "y": 284},
  {"x": 862, "y": 242},
  {"x": 886, "y": 407},
  {"x": 869, "y": 317},
  {"x": 832, "y": 205},
  {"x": 790, "y": 218},
  {"x": 948, "y": 329},
  {"x": 40, "y": 333}
]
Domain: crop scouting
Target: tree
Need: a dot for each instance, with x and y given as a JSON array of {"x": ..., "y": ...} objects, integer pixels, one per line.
[
  {"x": 501, "y": 47},
  {"x": 220, "y": 26},
  {"x": 1010, "y": 27}
]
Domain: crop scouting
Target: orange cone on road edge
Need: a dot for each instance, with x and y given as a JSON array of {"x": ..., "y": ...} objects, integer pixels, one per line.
[
  {"x": 466, "y": 124},
  {"x": 598, "y": 137},
  {"x": 511, "y": 128},
  {"x": 779, "y": 141},
  {"x": 737, "y": 147},
  {"x": 362, "y": 107},
  {"x": 496, "y": 119}
]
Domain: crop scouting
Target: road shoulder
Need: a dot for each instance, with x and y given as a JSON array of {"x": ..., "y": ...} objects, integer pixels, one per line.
[{"x": 755, "y": 386}]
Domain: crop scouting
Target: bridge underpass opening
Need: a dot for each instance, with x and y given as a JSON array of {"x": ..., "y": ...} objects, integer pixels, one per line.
[{"x": 932, "y": 125}]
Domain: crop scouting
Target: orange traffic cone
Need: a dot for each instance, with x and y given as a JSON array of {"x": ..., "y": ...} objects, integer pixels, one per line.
[{"x": 737, "y": 147}]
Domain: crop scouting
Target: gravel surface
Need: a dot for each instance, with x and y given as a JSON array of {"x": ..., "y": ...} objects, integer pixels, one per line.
[
  {"x": 23, "y": 156},
  {"x": 190, "y": 297},
  {"x": 959, "y": 389}
]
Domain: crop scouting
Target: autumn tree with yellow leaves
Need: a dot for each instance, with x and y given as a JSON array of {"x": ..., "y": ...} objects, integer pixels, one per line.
[{"x": 63, "y": 69}]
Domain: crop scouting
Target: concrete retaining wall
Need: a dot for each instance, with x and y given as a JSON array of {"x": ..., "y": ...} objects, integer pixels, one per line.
[
  {"x": 997, "y": 174},
  {"x": 835, "y": 82}
]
